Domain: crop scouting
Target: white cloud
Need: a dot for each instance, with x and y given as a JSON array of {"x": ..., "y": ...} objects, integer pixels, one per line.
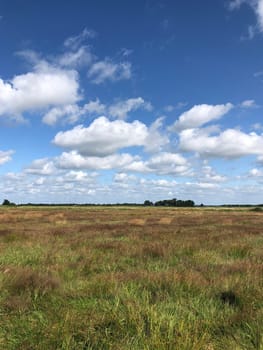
[
  {"x": 163, "y": 163},
  {"x": 230, "y": 143},
  {"x": 124, "y": 178},
  {"x": 248, "y": 104},
  {"x": 69, "y": 113},
  {"x": 137, "y": 166},
  {"x": 259, "y": 12},
  {"x": 126, "y": 52},
  {"x": 168, "y": 163},
  {"x": 257, "y": 126},
  {"x": 40, "y": 181},
  {"x": 209, "y": 175},
  {"x": 74, "y": 160},
  {"x": 37, "y": 90},
  {"x": 156, "y": 140},
  {"x": 102, "y": 71},
  {"x": 121, "y": 109},
  {"x": 202, "y": 185},
  {"x": 77, "y": 176},
  {"x": 43, "y": 166},
  {"x": 74, "y": 42},
  {"x": 78, "y": 58},
  {"x": 103, "y": 137},
  {"x": 95, "y": 107},
  {"x": 257, "y": 6},
  {"x": 72, "y": 113},
  {"x": 171, "y": 108},
  {"x": 260, "y": 159},
  {"x": 5, "y": 156},
  {"x": 199, "y": 115},
  {"x": 256, "y": 173}
]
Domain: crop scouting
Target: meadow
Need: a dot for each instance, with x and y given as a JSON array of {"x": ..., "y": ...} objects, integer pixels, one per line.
[{"x": 125, "y": 278}]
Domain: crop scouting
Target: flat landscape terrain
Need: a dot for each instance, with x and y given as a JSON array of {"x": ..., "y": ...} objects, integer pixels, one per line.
[{"x": 131, "y": 278}]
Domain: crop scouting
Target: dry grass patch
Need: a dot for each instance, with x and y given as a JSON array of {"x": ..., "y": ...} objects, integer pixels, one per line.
[
  {"x": 165, "y": 221},
  {"x": 137, "y": 222},
  {"x": 19, "y": 279}
]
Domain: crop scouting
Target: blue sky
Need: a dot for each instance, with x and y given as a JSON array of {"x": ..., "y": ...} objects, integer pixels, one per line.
[{"x": 123, "y": 101}]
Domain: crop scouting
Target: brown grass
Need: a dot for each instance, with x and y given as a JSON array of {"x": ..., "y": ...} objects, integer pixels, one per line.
[{"x": 22, "y": 279}]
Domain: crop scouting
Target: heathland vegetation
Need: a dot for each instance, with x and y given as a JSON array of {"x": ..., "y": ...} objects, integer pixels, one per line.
[{"x": 131, "y": 278}]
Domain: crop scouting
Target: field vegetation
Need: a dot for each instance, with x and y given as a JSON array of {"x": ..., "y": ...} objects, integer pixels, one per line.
[{"x": 131, "y": 278}]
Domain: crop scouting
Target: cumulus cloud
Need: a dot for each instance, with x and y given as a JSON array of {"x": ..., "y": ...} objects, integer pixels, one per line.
[
  {"x": 121, "y": 109},
  {"x": 199, "y": 115},
  {"x": 230, "y": 143},
  {"x": 95, "y": 107},
  {"x": 6, "y": 156},
  {"x": 156, "y": 139},
  {"x": 102, "y": 71},
  {"x": 74, "y": 160},
  {"x": 77, "y": 176},
  {"x": 168, "y": 163},
  {"x": 43, "y": 166},
  {"x": 69, "y": 113},
  {"x": 44, "y": 87},
  {"x": 208, "y": 175},
  {"x": 163, "y": 163},
  {"x": 103, "y": 137},
  {"x": 124, "y": 178},
  {"x": 72, "y": 113}
]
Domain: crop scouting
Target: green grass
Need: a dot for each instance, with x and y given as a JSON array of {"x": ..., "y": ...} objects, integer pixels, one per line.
[{"x": 139, "y": 278}]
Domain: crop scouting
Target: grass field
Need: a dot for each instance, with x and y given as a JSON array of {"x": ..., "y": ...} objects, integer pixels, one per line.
[{"x": 131, "y": 278}]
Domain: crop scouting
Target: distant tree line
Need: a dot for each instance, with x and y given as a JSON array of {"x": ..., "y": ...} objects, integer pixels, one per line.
[
  {"x": 163, "y": 203},
  {"x": 171, "y": 203}
]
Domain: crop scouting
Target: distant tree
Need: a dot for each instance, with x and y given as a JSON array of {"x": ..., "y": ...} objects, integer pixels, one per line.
[
  {"x": 147, "y": 203},
  {"x": 175, "y": 203},
  {"x": 7, "y": 202}
]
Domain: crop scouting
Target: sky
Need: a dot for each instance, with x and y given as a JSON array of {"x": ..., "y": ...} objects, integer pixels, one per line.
[{"x": 126, "y": 101}]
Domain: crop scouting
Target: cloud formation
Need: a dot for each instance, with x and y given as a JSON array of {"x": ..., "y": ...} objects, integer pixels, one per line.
[
  {"x": 257, "y": 7},
  {"x": 103, "y": 137},
  {"x": 108, "y": 70},
  {"x": 121, "y": 109},
  {"x": 75, "y": 41},
  {"x": 42, "y": 88},
  {"x": 5, "y": 156},
  {"x": 230, "y": 143},
  {"x": 200, "y": 115},
  {"x": 74, "y": 160}
]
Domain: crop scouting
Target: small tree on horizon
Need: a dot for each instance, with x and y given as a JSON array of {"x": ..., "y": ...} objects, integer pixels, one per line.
[
  {"x": 7, "y": 202},
  {"x": 148, "y": 203}
]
